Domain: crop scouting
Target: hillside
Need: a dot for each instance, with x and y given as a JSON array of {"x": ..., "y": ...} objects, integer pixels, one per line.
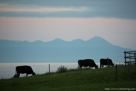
[
  {"x": 73, "y": 80},
  {"x": 59, "y": 50}
]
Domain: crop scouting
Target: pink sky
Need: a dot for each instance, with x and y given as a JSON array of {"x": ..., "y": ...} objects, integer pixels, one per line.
[{"x": 119, "y": 32}]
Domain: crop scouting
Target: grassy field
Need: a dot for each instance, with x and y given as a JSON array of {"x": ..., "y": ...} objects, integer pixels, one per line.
[{"x": 74, "y": 80}]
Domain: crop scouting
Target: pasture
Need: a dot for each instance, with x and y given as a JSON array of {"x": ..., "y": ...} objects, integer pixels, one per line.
[{"x": 87, "y": 79}]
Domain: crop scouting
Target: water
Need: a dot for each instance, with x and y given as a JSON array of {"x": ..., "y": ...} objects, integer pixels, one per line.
[{"x": 7, "y": 70}]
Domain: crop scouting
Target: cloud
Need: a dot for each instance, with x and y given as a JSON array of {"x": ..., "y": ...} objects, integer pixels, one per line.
[
  {"x": 40, "y": 9},
  {"x": 1, "y": 5},
  {"x": 125, "y": 9},
  {"x": 68, "y": 14}
]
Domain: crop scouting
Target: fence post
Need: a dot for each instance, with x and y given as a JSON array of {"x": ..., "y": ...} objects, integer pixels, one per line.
[
  {"x": 128, "y": 72},
  {"x": 125, "y": 58},
  {"x": 135, "y": 59},
  {"x": 49, "y": 68},
  {"x": 116, "y": 73},
  {"x": 130, "y": 60}
]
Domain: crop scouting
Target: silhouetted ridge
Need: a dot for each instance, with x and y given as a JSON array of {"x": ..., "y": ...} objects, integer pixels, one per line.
[
  {"x": 59, "y": 50},
  {"x": 98, "y": 41}
]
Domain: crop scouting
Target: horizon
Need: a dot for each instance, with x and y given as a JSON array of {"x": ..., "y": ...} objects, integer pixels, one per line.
[{"x": 44, "y": 20}]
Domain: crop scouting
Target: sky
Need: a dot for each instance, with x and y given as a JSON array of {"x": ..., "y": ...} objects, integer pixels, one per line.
[{"x": 46, "y": 20}]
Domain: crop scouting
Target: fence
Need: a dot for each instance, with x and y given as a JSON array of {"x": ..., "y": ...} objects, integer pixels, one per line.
[{"x": 130, "y": 57}]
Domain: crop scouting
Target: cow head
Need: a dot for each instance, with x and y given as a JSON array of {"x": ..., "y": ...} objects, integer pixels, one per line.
[
  {"x": 112, "y": 64},
  {"x": 96, "y": 66},
  {"x": 33, "y": 74}
]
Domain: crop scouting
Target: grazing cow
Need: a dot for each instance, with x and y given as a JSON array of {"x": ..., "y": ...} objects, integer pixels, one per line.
[
  {"x": 106, "y": 62},
  {"x": 87, "y": 62},
  {"x": 23, "y": 69}
]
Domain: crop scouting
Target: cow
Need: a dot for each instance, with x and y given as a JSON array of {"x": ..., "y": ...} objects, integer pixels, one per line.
[
  {"x": 24, "y": 69},
  {"x": 87, "y": 62},
  {"x": 106, "y": 62}
]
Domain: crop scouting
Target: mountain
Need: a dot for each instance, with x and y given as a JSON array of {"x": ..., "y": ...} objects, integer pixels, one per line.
[{"x": 59, "y": 50}]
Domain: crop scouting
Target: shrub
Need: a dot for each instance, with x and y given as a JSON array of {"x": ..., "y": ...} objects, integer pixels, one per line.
[{"x": 62, "y": 69}]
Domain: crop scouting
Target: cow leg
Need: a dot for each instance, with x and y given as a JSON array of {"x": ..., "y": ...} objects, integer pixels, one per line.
[
  {"x": 18, "y": 74},
  {"x": 26, "y": 75},
  {"x": 81, "y": 67}
]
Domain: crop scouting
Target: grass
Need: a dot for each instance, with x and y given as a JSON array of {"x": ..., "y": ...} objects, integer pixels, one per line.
[{"x": 73, "y": 80}]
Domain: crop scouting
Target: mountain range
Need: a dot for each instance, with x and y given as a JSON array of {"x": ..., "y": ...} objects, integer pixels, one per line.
[{"x": 59, "y": 50}]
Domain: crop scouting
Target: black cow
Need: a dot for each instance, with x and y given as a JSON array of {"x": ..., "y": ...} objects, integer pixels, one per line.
[
  {"x": 106, "y": 62},
  {"x": 87, "y": 62},
  {"x": 24, "y": 69}
]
